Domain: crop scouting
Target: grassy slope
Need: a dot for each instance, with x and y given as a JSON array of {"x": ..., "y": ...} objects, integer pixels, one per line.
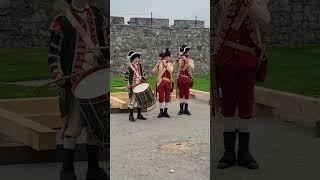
[
  {"x": 293, "y": 69},
  {"x": 201, "y": 82},
  {"x": 23, "y": 64}
]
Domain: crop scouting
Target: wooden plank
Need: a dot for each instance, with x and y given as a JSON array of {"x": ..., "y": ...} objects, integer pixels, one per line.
[
  {"x": 52, "y": 121},
  {"x": 27, "y": 131},
  {"x": 116, "y": 102},
  {"x": 289, "y": 102},
  {"x": 19, "y": 154},
  {"x": 200, "y": 95},
  {"x": 119, "y": 95},
  {"x": 31, "y": 105}
]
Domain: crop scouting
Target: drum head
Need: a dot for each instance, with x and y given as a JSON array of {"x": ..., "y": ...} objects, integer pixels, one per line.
[
  {"x": 93, "y": 85},
  {"x": 141, "y": 87}
]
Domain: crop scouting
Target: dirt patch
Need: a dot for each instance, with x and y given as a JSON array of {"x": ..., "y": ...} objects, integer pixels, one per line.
[{"x": 178, "y": 147}]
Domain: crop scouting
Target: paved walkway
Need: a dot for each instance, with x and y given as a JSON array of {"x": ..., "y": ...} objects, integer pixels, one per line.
[
  {"x": 138, "y": 153},
  {"x": 286, "y": 150}
]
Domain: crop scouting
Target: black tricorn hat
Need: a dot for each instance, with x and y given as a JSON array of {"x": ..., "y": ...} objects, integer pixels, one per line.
[
  {"x": 132, "y": 55},
  {"x": 183, "y": 49},
  {"x": 167, "y": 53},
  {"x": 161, "y": 55},
  {"x": 68, "y": 1}
]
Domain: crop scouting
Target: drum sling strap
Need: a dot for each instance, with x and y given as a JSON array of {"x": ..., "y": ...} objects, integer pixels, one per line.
[
  {"x": 159, "y": 79},
  {"x": 84, "y": 35}
]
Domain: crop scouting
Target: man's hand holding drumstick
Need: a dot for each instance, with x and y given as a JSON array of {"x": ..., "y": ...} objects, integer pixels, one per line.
[{"x": 60, "y": 82}]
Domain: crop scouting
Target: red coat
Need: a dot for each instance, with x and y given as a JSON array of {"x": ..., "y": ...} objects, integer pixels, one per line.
[{"x": 242, "y": 37}]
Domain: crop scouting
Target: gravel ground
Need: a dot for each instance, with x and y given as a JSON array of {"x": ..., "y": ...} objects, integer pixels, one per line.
[
  {"x": 286, "y": 150},
  {"x": 145, "y": 150}
]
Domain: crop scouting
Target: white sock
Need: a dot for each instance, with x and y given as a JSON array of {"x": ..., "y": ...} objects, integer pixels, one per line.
[
  {"x": 243, "y": 125},
  {"x": 69, "y": 142},
  {"x": 186, "y": 101},
  {"x": 161, "y": 105},
  {"x": 166, "y": 105},
  {"x": 230, "y": 124},
  {"x": 181, "y": 101}
]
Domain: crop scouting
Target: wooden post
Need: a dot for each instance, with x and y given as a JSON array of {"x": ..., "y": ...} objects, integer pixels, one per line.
[
  {"x": 151, "y": 20},
  {"x": 195, "y": 22}
]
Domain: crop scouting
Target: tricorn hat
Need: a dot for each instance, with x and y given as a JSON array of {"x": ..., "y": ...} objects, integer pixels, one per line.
[
  {"x": 183, "y": 49},
  {"x": 132, "y": 55},
  {"x": 161, "y": 55},
  {"x": 166, "y": 53}
]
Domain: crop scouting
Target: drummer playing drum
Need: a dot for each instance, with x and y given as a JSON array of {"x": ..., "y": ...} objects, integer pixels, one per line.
[
  {"x": 134, "y": 76},
  {"x": 67, "y": 56}
]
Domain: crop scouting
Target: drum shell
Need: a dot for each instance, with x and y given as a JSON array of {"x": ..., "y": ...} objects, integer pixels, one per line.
[
  {"x": 146, "y": 98},
  {"x": 96, "y": 112},
  {"x": 97, "y": 115}
]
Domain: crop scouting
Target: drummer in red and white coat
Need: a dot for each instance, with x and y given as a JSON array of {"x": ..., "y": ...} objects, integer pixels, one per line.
[
  {"x": 185, "y": 67},
  {"x": 67, "y": 55},
  {"x": 134, "y": 75},
  {"x": 163, "y": 69}
]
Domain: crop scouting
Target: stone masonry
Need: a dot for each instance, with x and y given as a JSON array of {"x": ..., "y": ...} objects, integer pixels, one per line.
[
  {"x": 189, "y": 23},
  {"x": 151, "y": 41},
  {"x": 24, "y": 23},
  {"x": 155, "y": 22}
]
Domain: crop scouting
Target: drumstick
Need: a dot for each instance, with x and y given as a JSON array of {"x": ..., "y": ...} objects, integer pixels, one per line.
[
  {"x": 97, "y": 48},
  {"x": 64, "y": 78},
  {"x": 101, "y": 47}
]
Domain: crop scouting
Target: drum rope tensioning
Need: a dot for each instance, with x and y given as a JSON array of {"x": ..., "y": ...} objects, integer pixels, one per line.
[
  {"x": 144, "y": 96},
  {"x": 91, "y": 92}
]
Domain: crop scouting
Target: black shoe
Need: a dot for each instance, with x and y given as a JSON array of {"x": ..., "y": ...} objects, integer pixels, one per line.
[
  {"x": 131, "y": 118},
  {"x": 245, "y": 159},
  {"x": 186, "y": 111},
  {"x": 93, "y": 157},
  {"x": 160, "y": 114},
  {"x": 67, "y": 172},
  {"x": 181, "y": 109},
  {"x": 98, "y": 174},
  {"x": 140, "y": 115},
  {"x": 229, "y": 157},
  {"x": 165, "y": 114},
  {"x": 67, "y": 175}
]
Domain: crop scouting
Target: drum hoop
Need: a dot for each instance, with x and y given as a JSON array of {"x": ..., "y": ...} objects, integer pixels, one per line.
[
  {"x": 141, "y": 91},
  {"x": 95, "y": 99},
  {"x": 83, "y": 76}
]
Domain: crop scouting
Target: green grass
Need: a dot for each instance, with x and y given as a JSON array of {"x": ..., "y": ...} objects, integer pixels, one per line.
[
  {"x": 15, "y": 91},
  {"x": 293, "y": 69},
  {"x": 201, "y": 82},
  {"x": 23, "y": 64}
]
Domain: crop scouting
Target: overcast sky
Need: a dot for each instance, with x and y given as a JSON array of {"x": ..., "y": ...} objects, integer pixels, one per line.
[{"x": 170, "y": 9}]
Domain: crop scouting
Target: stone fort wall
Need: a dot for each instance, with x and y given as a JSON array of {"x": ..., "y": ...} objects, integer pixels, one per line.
[{"x": 24, "y": 24}]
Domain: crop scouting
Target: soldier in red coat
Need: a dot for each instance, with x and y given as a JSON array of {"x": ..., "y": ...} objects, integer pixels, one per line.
[
  {"x": 238, "y": 49},
  {"x": 164, "y": 69},
  {"x": 185, "y": 66}
]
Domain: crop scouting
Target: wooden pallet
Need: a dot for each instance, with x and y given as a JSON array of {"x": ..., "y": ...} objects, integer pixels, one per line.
[
  {"x": 31, "y": 121},
  {"x": 12, "y": 152}
]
